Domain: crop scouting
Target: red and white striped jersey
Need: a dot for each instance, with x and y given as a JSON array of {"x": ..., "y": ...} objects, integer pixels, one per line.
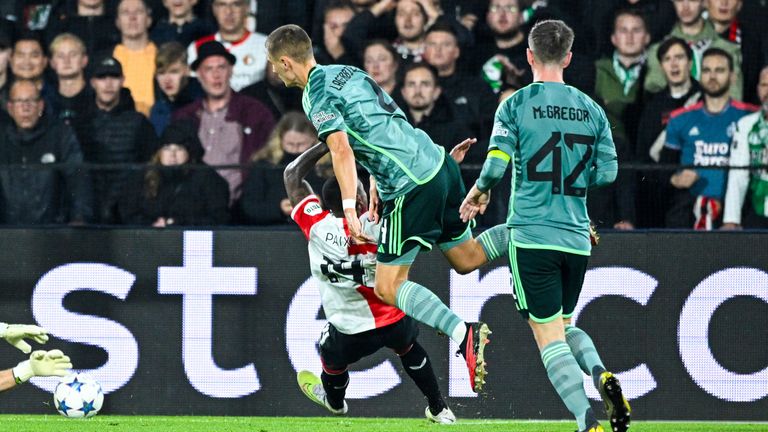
[
  {"x": 345, "y": 270},
  {"x": 250, "y": 52}
]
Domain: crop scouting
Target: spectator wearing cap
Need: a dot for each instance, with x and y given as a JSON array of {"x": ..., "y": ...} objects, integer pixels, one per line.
[
  {"x": 117, "y": 134},
  {"x": 231, "y": 126},
  {"x": 247, "y": 48},
  {"x": 73, "y": 97},
  {"x": 176, "y": 188},
  {"x": 137, "y": 52},
  {"x": 181, "y": 25},
  {"x": 33, "y": 138},
  {"x": 91, "y": 21},
  {"x": 174, "y": 88},
  {"x": 5, "y": 58}
]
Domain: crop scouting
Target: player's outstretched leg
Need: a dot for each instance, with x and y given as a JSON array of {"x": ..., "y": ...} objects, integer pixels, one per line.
[
  {"x": 472, "y": 347},
  {"x": 313, "y": 389},
  {"x": 418, "y": 366},
  {"x": 424, "y": 306},
  {"x": 616, "y": 406}
]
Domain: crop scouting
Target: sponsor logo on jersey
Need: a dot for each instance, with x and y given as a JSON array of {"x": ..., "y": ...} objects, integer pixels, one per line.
[
  {"x": 711, "y": 154},
  {"x": 313, "y": 209},
  {"x": 322, "y": 117},
  {"x": 499, "y": 130},
  {"x": 694, "y": 131}
]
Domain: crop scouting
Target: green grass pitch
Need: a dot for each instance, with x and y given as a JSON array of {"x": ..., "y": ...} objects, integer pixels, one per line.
[{"x": 107, "y": 423}]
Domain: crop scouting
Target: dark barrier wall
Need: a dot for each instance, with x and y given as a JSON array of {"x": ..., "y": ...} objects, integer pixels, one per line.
[{"x": 200, "y": 322}]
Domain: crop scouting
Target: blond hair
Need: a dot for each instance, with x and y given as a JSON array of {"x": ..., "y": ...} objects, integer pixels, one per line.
[
  {"x": 66, "y": 37},
  {"x": 292, "y": 121},
  {"x": 291, "y": 41},
  {"x": 168, "y": 54}
]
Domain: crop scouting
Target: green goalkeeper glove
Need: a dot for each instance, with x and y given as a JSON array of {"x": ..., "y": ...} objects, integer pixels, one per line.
[
  {"x": 42, "y": 363},
  {"x": 15, "y": 334}
]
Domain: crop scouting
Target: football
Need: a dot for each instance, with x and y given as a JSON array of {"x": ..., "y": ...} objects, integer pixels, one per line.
[{"x": 78, "y": 396}]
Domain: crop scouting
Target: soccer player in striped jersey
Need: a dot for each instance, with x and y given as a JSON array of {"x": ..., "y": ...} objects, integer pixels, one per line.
[
  {"x": 419, "y": 185},
  {"x": 359, "y": 323},
  {"x": 559, "y": 143}
]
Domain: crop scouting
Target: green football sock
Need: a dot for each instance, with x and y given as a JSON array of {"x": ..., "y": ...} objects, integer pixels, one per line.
[
  {"x": 494, "y": 241},
  {"x": 566, "y": 377},
  {"x": 584, "y": 352},
  {"x": 423, "y": 305}
]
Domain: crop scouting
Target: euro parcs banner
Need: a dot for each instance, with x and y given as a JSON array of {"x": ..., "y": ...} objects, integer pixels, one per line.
[{"x": 218, "y": 323}]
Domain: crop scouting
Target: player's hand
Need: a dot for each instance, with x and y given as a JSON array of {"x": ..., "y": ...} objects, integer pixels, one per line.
[
  {"x": 42, "y": 363},
  {"x": 356, "y": 228},
  {"x": 460, "y": 150},
  {"x": 382, "y": 7},
  {"x": 286, "y": 207},
  {"x": 373, "y": 203},
  {"x": 684, "y": 179},
  {"x": 15, "y": 334},
  {"x": 512, "y": 73},
  {"x": 475, "y": 202}
]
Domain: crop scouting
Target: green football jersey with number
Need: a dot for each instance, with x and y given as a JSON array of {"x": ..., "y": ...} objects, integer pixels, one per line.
[
  {"x": 345, "y": 98},
  {"x": 560, "y": 144}
]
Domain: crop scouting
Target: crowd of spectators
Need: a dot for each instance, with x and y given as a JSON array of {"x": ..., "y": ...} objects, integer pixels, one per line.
[{"x": 165, "y": 112}]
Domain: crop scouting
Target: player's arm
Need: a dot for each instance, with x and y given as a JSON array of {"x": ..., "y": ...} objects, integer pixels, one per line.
[
  {"x": 605, "y": 167},
  {"x": 346, "y": 174},
  {"x": 500, "y": 149},
  {"x": 295, "y": 173}
]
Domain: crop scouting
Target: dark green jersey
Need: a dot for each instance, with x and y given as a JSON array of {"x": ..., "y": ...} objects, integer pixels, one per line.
[
  {"x": 399, "y": 156},
  {"x": 560, "y": 144}
]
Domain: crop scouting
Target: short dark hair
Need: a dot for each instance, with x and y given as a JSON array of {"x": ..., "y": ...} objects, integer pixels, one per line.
[
  {"x": 29, "y": 35},
  {"x": 421, "y": 65},
  {"x": 387, "y": 45},
  {"x": 714, "y": 51},
  {"x": 671, "y": 41},
  {"x": 337, "y": 5},
  {"x": 289, "y": 40},
  {"x": 550, "y": 41},
  {"x": 445, "y": 28},
  {"x": 633, "y": 12},
  {"x": 332, "y": 195}
]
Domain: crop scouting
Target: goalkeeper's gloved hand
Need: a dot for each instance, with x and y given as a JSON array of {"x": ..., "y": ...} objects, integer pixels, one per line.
[
  {"x": 42, "y": 363},
  {"x": 15, "y": 334}
]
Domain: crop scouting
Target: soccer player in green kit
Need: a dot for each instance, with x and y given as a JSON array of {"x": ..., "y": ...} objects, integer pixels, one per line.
[
  {"x": 419, "y": 184},
  {"x": 559, "y": 143}
]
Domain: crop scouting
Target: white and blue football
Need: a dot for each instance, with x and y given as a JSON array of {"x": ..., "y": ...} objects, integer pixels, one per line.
[{"x": 78, "y": 396}]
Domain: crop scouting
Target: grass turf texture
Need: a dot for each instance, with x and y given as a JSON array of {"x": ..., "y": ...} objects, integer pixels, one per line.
[{"x": 35, "y": 423}]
